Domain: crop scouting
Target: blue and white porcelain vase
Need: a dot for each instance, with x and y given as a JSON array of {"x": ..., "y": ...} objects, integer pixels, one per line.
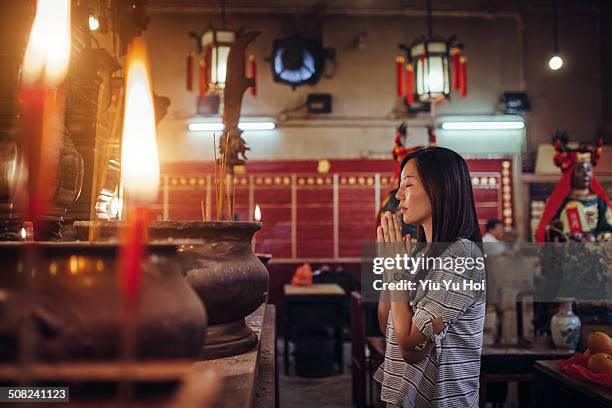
[{"x": 565, "y": 327}]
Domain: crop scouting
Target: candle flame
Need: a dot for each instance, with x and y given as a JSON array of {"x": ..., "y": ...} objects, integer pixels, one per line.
[
  {"x": 48, "y": 51},
  {"x": 257, "y": 213},
  {"x": 139, "y": 156}
]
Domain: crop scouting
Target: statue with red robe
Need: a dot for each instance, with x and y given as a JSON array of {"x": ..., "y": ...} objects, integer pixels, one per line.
[{"x": 578, "y": 208}]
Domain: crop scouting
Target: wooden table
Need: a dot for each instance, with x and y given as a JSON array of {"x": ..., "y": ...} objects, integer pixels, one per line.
[
  {"x": 514, "y": 363},
  {"x": 555, "y": 389},
  {"x": 318, "y": 305}
]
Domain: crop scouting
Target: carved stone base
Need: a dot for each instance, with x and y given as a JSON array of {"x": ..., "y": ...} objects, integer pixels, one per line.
[{"x": 228, "y": 339}]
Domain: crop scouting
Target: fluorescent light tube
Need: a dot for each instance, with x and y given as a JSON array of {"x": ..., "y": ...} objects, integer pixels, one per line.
[
  {"x": 483, "y": 125},
  {"x": 218, "y": 126},
  {"x": 256, "y": 125},
  {"x": 205, "y": 127}
]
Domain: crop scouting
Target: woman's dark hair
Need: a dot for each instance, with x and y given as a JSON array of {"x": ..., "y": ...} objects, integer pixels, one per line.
[{"x": 446, "y": 180}]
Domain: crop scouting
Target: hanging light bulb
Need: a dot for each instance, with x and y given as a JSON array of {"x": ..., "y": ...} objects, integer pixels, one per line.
[{"x": 555, "y": 62}]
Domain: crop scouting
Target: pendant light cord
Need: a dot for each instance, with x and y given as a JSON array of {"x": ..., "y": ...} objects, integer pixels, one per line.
[
  {"x": 429, "y": 19},
  {"x": 223, "y": 16},
  {"x": 556, "y": 25}
]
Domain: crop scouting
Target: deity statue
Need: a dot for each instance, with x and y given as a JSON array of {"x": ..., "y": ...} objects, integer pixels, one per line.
[{"x": 578, "y": 208}]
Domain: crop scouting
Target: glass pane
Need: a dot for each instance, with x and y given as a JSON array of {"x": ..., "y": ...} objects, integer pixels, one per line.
[{"x": 435, "y": 75}]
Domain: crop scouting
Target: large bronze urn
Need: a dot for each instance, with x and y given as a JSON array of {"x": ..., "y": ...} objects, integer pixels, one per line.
[
  {"x": 63, "y": 301},
  {"x": 229, "y": 278},
  {"x": 217, "y": 259}
]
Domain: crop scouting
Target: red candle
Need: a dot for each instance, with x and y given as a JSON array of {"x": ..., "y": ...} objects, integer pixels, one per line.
[{"x": 44, "y": 68}]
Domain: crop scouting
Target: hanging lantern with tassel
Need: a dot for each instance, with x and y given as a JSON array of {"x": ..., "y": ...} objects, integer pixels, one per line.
[
  {"x": 216, "y": 44},
  {"x": 431, "y": 58}
]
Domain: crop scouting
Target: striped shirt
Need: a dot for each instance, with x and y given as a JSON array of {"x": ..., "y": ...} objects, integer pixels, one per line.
[{"x": 449, "y": 375}]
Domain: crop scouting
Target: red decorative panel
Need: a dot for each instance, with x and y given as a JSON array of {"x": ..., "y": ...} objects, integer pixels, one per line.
[
  {"x": 307, "y": 231},
  {"x": 315, "y": 217},
  {"x": 275, "y": 204}
]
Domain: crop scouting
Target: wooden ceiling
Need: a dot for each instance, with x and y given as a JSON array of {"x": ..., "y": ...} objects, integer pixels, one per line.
[{"x": 374, "y": 7}]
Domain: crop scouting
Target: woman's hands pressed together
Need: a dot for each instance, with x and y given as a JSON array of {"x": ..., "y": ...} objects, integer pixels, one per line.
[
  {"x": 392, "y": 243},
  {"x": 390, "y": 231}
]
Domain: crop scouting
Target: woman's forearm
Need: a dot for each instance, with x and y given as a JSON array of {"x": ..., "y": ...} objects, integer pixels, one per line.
[
  {"x": 383, "y": 315},
  {"x": 402, "y": 322}
]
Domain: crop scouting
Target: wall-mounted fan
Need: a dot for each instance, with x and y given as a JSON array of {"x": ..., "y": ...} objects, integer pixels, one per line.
[{"x": 298, "y": 61}]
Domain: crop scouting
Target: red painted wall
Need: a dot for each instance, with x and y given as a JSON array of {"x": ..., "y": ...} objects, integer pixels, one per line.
[
  {"x": 314, "y": 212},
  {"x": 187, "y": 184}
]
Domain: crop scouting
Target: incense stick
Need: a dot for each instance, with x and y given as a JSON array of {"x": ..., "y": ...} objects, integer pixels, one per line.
[
  {"x": 233, "y": 196},
  {"x": 214, "y": 137},
  {"x": 230, "y": 215},
  {"x": 203, "y": 212},
  {"x": 225, "y": 172}
]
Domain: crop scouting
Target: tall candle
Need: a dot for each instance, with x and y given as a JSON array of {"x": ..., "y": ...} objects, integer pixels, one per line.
[
  {"x": 44, "y": 68},
  {"x": 139, "y": 167}
]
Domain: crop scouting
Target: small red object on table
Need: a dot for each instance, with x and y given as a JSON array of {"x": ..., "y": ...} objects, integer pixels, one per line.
[{"x": 576, "y": 366}]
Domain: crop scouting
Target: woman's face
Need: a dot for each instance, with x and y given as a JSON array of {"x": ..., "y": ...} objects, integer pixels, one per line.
[{"x": 414, "y": 202}]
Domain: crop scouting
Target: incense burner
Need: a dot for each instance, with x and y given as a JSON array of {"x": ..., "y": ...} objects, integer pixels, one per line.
[
  {"x": 217, "y": 259},
  {"x": 61, "y": 301},
  {"x": 64, "y": 177}
]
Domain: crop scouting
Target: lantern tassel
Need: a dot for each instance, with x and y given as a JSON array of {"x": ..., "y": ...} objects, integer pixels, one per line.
[
  {"x": 253, "y": 74},
  {"x": 399, "y": 76},
  {"x": 463, "y": 74},
  {"x": 203, "y": 80},
  {"x": 189, "y": 76},
  {"x": 409, "y": 84},
  {"x": 456, "y": 69}
]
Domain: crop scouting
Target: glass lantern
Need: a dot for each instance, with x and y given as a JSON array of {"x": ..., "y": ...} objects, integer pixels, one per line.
[
  {"x": 431, "y": 70},
  {"x": 216, "y": 44}
]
